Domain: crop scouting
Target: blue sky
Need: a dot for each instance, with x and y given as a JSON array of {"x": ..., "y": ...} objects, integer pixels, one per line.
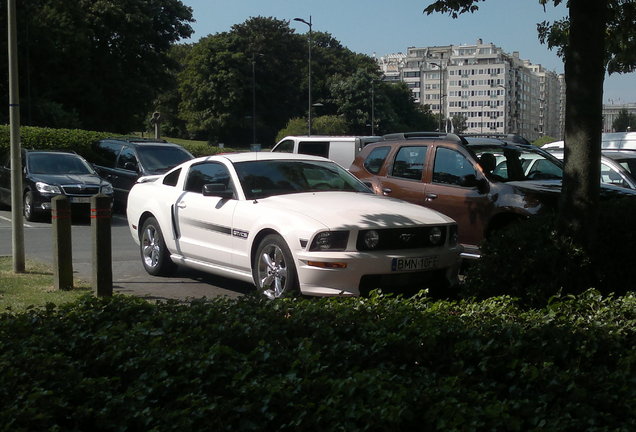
[{"x": 383, "y": 27}]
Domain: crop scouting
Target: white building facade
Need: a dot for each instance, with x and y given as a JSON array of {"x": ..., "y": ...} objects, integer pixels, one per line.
[{"x": 494, "y": 92}]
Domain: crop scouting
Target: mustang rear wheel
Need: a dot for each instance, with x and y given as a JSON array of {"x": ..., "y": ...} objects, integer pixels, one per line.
[
  {"x": 154, "y": 253},
  {"x": 274, "y": 270}
]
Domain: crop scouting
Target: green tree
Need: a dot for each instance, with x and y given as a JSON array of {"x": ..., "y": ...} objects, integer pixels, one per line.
[
  {"x": 96, "y": 64},
  {"x": 598, "y": 36},
  {"x": 216, "y": 82},
  {"x": 459, "y": 123},
  {"x": 624, "y": 121}
]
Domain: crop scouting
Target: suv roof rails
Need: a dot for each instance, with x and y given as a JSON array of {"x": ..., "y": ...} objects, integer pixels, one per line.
[
  {"x": 517, "y": 139},
  {"x": 424, "y": 135}
]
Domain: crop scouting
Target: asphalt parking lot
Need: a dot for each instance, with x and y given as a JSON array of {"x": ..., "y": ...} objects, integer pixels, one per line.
[{"x": 129, "y": 276}]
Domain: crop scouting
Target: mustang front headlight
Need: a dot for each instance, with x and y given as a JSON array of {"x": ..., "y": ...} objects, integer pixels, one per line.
[
  {"x": 47, "y": 188},
  {"x": 330, "y": 241}
]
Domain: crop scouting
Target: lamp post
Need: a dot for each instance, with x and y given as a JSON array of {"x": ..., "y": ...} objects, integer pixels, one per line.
[
  {"x": 309, "y": 68},
  {"x": 441, "y": 113}
]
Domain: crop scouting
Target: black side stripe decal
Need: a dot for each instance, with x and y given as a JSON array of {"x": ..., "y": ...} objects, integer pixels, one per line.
[{"x": 217, "y": 228}]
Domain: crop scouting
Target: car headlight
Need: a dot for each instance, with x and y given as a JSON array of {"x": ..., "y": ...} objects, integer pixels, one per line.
[
  {"x": 330, "y": 241},
  {"x": 435, "y": 236},
  {"x": 107, "y": 189},
  {"x": 371, "y": 239},
  {"x": 47, "y": 188}
]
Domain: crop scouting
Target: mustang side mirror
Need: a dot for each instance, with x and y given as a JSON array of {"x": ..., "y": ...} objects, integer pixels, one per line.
[{"x": 217, "y": 190}]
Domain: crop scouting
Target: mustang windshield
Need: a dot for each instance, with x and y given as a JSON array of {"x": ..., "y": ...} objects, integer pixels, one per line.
[{"x": 260, "y": 179}]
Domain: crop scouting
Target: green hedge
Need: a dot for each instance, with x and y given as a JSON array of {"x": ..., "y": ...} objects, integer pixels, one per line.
[
  {"x": 361, "y": 364},
  {"x": 79, "y": 141}
]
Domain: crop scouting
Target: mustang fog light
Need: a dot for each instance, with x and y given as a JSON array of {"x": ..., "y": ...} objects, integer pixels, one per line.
[
  {"x": 371, "y": 239},
  {"x": 452, "y": 235},
  {"x": 435, "y": 235},
  {"x": 330, "y": 241}
]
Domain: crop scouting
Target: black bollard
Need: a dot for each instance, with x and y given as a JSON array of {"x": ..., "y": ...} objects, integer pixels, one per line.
[
  {"x": 102, "y": 246},
  {"x": 62, "y": 245}
]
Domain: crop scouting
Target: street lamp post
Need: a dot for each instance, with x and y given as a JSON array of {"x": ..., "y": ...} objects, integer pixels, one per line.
[
  {"x": 309, "y": 67},
  {"x": 441, "y": 113}
]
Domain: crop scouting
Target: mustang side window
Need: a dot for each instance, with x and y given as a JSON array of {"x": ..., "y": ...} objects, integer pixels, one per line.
[
  {"x": 206, "y": 173},
  {"x": 451, "y": 167}
]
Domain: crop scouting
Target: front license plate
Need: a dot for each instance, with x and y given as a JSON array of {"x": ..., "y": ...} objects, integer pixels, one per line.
[
  {"x": 81, "y": 200},
  {"x": 413, "y": 264}
]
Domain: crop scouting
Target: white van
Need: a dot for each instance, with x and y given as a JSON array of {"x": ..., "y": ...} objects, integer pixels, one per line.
[
  {"x": 619, "y": 140},
  {"x": 340, "y": 149},
  {"x": 609, "y": 140}
]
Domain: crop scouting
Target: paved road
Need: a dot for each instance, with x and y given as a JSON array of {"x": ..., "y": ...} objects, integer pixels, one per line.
[{"x": 129, "y": 276}]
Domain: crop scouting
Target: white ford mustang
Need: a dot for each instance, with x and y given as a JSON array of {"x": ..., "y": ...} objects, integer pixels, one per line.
[{"x": 287, "y": 223}]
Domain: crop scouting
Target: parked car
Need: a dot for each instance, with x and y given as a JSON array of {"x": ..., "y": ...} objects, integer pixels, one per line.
[
  {"x": 482, "y": 183},
  {"x": 618, "y": 167},
  {"x": 340, "y": 149},
  {"x": 46, "y": 174},
  {"x": 288, "y": 222},
  {"x": 123, "y": 160}
]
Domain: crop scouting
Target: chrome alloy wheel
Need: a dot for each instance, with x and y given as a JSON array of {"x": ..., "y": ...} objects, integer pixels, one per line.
[
  {"x": 151, "y": 246},
  {"x": 272, "y": 271}
]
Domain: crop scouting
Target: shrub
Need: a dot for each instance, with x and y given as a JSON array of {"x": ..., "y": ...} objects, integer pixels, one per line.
[
  {"x": 530, "y": 261},
  {"x": 39, "y": 138},
  {"x": 357, "y": 364}
]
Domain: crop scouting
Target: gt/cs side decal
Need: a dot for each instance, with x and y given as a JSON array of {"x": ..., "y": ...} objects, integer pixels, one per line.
[
  {"x": 217, "y": 228},
  {"x": 240, "y": 234}
]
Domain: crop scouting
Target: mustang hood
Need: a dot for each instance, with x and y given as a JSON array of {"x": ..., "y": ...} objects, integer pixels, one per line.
[{"x": 340, "y": 209}]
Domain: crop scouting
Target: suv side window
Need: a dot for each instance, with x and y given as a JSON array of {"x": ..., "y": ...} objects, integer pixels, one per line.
[
  {"x": 451, "y": 166},
  {"x": 373, "y": 163},
  {"x": 409, "y": 162},
  {"x": 106, "y": 153},
  {"x": 320, "y": 148},
  {"x": 205, "y": 173},
  {"x": 127, "y": 159}
]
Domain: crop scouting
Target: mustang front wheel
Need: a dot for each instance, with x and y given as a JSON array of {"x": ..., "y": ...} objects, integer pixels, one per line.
[
  {"x": 274, "y": 270},
  {"x": 154, "y": 253}
]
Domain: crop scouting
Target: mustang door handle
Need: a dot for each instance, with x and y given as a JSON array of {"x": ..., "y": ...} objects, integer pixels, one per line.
[
  {"x": 181, "y": 204},
  {"x": 386, "y": 191},
  {"x": 431, "y": 196}
]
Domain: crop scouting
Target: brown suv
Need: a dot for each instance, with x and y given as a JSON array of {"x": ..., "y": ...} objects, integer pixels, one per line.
[{"x": 482, "y": 183}]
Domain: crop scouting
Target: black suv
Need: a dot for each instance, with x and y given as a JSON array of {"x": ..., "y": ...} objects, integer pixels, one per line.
[
  {"x": 123, "y": 160},
  {"x": 46, "y": 174}
]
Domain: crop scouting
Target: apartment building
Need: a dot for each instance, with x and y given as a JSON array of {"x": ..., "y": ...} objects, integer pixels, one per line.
[{"x": 494, "y": 92}]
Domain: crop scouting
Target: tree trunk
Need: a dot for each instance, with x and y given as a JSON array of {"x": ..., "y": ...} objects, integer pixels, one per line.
[{"x": 584, "y": 75}]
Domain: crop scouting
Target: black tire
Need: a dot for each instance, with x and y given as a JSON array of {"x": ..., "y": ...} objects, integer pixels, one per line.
[
  {"x": 30, "y": 213},
  {"x": 154, "y": 253},
  {"x": 273, "y": 268}
]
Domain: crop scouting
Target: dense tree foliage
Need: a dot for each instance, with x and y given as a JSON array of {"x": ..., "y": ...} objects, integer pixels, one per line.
[
  {"x": 598, "y": 36},
  {"x": 221, "y": 71},
  {"x": 95, "y": 64}
]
